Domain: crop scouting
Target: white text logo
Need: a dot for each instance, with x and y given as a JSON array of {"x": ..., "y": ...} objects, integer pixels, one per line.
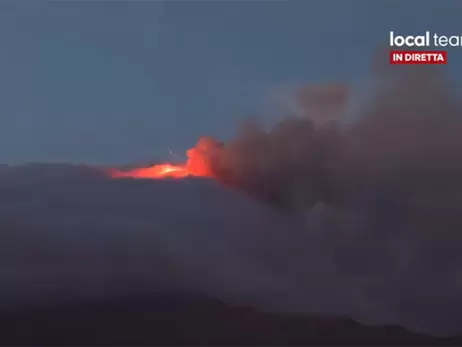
[{"x": 427, "y": 39}]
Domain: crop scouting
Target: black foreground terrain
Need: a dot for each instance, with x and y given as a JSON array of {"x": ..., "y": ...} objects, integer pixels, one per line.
[{"x": 188, "y": 320}]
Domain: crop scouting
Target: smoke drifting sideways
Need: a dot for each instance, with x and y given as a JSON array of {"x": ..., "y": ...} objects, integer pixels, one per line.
[
  {"x": 377, "y": 180},
  {"x": 353, "y": 209}
]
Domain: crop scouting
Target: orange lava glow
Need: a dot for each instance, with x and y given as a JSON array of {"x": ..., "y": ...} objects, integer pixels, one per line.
[
  {"x": 196, "y": 165},
  {"x": 155, "y": 171}
]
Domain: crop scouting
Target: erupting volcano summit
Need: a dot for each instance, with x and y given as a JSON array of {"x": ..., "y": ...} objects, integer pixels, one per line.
[{"x": 198, "y": 164}]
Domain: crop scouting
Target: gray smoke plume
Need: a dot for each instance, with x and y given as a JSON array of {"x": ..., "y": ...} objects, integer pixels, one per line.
[{"x": 382, "y": 193}]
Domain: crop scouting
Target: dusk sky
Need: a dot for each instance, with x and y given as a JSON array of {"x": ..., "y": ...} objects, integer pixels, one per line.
[{"x": 106, "y": 82}]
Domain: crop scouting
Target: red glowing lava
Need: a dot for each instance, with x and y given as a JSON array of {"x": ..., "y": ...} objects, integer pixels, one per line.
[{"x": 198, "y": 164}]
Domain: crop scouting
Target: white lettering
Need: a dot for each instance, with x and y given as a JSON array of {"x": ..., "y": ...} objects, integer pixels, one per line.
[
  {"x": 424, "y": 57},
  {"x": 399, "y": 41},
  {"x": 418, "y": 58},
  {"x": 410, "y": 41},
  {"x": 397, "y": 57},
  {"x": 420, "y": 41},
  {"x": 442, "y": 41},
  {"x": 454, "y": 41}
]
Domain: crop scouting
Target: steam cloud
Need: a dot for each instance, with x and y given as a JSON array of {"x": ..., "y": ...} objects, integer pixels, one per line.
[{"x": 363, "y": 218}]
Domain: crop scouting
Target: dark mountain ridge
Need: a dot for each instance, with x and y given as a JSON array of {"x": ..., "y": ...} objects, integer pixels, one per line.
[{"x": 185, "y": 319}]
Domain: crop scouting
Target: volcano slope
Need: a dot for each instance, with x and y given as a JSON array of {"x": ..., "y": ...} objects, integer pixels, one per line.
[{"x": 88, "y": 259}]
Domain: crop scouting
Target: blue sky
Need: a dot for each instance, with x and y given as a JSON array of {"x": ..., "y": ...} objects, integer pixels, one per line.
[{"x": 120, "y": 81}]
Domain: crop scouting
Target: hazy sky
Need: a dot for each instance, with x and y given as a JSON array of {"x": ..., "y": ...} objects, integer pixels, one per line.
[{"x": 121, "y": 81}]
